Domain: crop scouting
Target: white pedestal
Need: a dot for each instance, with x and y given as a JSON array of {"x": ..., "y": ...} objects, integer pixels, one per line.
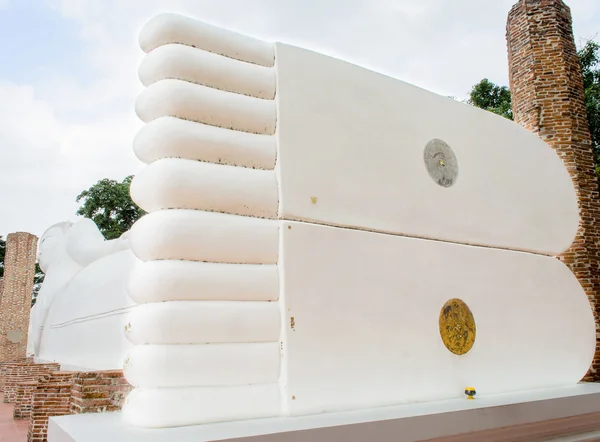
[{"x": 568, "y": 413}]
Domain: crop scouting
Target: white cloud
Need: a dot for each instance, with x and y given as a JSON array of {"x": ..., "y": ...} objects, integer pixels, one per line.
[
  {"x": 29, "y": 136},
  {"x": 408, "y": 39},
  {"x": 443, "y": 46},
  {"x": 47, "y": 161},
  {"x": 24, "y": 120}
]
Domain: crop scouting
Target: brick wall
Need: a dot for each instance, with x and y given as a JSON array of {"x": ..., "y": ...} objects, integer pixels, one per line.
[
  {"x": 24, "y": 399},
  {"x": 2, "y": 374},
  {"x": 548, "y": 99},
  {"x": 52, "y": 397},
  {"x": 15, "y": 302},
  {"x": 40, "y": 391},
  {"x": 3, "y": 367},
  {"x": 61, "y": 393},
  {"x": 100, "y": 391},
  {"x": 17, "y": 373}
]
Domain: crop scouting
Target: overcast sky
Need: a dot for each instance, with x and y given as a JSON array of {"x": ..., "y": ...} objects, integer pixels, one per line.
[{"x": 68, "y": 74}]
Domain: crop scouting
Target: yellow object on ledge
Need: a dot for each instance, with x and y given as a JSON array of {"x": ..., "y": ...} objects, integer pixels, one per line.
[{"x": 470, "y": 392}]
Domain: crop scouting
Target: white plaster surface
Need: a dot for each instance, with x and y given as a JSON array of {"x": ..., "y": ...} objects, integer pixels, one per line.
[
  {"x": 353, "y": 317},
  {"x": 354, "y": 140},
  {"x": 203, "y": 239},
  {"x": 208, "y": 69},
  {"x": 205, "y": 322},
  {"x": 172, "y": 137},
  {"x": 170, "y": 407},
  {"x": 55, "y": 261},
  {"x": 173, "y": 28},
  {"x": 366, "y": 308},
  {"x": 173, "y": 183},
  {"x": 355, "y": 324},
  {"x": 176, "y": 98},
  {"x": 81, "y": 310},
  {"x": 213, "y": 365},
  {"x": 84, "y": 327},
  {"x": 205, "y": 236},
  {"x": 169, "y": 280},
  {"x": 403, "y": 423}
]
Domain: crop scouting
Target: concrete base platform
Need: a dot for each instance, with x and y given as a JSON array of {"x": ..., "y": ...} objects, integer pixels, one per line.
[{"x": 560, "y": 414}]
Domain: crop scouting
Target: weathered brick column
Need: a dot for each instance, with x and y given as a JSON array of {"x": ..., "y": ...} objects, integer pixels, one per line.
[
  {"x": 548, "y": 99},
  {"x": 99, "y": 391},
  {"x": 24, "y": 399},
  {"x": 52, "y": 397},
  {"x": 15, "y": 302}
]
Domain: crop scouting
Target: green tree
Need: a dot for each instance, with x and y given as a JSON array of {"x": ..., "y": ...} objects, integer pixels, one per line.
[
  {"x": 2, "y": 253},
  {"x": 38, "y": 279},
  {"x": 109, "y": 205},
  {"x": 489, "y": 96},
  {"x": 589, "y": 59}
]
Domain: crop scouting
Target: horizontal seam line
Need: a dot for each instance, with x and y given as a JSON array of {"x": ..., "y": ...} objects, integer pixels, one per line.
[
  {"x": 405, "y": 235},
  {"x": 213, "y": 52},
  {"x": 108, "y": 314},
  {"x": 197, "y": 83}
]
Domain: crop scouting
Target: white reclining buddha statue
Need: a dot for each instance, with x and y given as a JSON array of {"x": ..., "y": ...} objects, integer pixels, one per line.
[
  {"x": 321, "y": 237},
  {"x": 80, "y": 311}
]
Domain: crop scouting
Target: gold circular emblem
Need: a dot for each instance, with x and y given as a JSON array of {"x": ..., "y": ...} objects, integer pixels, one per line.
[{"x": 457, "y": 327}]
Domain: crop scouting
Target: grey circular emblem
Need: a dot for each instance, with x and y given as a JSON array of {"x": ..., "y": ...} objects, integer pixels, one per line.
[{"x": 441, "y": 162}]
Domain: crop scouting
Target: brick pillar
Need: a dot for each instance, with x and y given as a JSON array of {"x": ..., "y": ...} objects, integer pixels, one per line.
[
  {"x": 24, "y": 399},
  {"x": 99, "y": 392},
  {"x": 52, "y": 397},
  {"x": 15, "y": 302},
  {"x": 548, "y": 99}
]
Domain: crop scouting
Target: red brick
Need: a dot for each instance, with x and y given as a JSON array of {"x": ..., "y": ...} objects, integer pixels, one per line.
[
  {"x": 548, "y": 99},
  {"x": 15, "y": 293}
]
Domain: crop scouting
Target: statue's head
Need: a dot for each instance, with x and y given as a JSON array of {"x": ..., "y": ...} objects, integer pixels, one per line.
[
  {"x": 52, "y": 245},
  {"x": 78, "y": 243}
]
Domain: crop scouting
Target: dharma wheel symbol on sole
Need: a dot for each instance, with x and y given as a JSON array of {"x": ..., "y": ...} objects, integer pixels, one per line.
[
  {"x": 441, "y": 162},
  {"x": 457, "y": 327}
]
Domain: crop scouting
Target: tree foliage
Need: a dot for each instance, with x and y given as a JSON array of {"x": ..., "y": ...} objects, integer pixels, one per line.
[
  {"x": 2, "y": 253},
  {"x": 589, "y": 59},
  {"x": 38, "y": 279},
  {"x": 489, "y": 96},
  {"x": 110, "y": 206}
]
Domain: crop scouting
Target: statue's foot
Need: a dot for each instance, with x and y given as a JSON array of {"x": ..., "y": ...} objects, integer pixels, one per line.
[{"x": 277, "y": 272}]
